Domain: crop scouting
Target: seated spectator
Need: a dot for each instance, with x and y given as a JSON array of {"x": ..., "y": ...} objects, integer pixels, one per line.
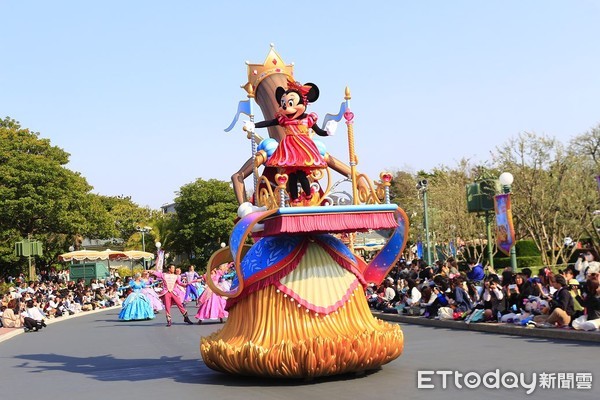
[
  {"x": 591, "y": 301},
  {"x": 573, "y": 286},
  {"x": 33, "y": 311},
  {"x": 459, "y": 300},
  {"x": 432, "y": 299},
  {"x": 518, "y": 293},
  {"x": 586, "y": 265},
  {"x": 71, "y": 305},
  {"x": 561, "y": 307},
  {"x": 541, "y": 286},
  {"x": 569, "y": 273},
  {"x": 452, "y": 265},
  {"x": 426, "y": 272},
  {"x": 493, "y": 299},
  {"x": 54, "y": 307},
  {"x": 385, "y": 295},
  {"x": 12, "y": 317},
  {"x": 476, "y": 274},
  {"x": 371, "y": 294},
  {"x": 413, "y": 295},
  {"x": 413, "y": 272},
  {"x": 87, "y": 301},
  {"x": 474, "y": 292}
]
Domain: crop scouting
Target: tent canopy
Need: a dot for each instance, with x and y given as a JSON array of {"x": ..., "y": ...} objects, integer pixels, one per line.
[{"x": 108, "y": 254}]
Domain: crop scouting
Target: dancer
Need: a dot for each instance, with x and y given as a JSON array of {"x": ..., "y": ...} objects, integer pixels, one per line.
[
  {"x": 136, "y": 306},
  {"x": 227, "y": 278},
  {"x": 151, "y": 293},
  {"x": 191, "y": 291},
  {"x": 169, "y": 295},
  {"x": 212, "y": 306},
  {"x": 181, "y": 286}
]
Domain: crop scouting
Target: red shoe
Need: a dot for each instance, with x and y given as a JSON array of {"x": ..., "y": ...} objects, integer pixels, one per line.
[{"x": 307, "y": 200}]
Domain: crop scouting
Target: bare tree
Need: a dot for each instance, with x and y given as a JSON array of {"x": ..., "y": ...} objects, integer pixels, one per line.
[{"x": 549, "y": 192}]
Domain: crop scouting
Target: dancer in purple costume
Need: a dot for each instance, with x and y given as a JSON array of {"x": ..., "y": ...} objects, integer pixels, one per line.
[
  {"x": 151, "y": 293},
  {"x": 191, "y": 291}
]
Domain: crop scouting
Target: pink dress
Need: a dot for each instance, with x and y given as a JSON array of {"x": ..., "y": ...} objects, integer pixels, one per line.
[
  {"x": 297, "y": 151},
  {"x": 212, "y": 306},
  {"x": 152, "y": 295}
]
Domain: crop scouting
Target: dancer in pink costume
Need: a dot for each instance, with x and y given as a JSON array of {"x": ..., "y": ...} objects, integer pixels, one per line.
[
  {"x": 151, "y": 293},
  {"x": 169, "y": 294},
  {"x": 212, "y": 306},
  {"x": 181, "y": 286}
]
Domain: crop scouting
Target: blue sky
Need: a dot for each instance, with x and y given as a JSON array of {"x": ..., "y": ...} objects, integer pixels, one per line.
[{"x": 139, "y": 92}]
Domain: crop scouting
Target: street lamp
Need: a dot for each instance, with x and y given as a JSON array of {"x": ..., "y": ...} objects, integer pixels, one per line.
[
  {"x": 143, "y": 230},
  {"x": 422, "y": 188},
  {"x": 506, "y": 179}
]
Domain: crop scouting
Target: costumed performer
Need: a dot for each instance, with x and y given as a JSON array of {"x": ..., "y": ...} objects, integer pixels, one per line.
[
  {"x": 191, "y": 291},
  {"x": 212, "y": 306},
  {"x": 297, "y": 154},
  {"x": 226, "y": 280},
  {"x": 181, "y": 287},
  {"x": 151, "y": 292},
  {"x": 136, "y": 306},
  {"x": 169, "y": 295}
]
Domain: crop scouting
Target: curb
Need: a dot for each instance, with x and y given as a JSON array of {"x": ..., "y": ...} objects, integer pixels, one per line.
[
  {"x": 12, "y": 332},
  {"x": 497, "y": 328}
]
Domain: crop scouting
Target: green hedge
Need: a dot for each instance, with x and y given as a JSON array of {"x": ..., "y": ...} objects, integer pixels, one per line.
[
  {"x": 526, "y": 248},
  {"x": 532, "y": 262}
]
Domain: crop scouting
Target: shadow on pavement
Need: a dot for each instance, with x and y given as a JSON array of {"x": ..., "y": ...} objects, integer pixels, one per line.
[{"x": 108, "y": 368}]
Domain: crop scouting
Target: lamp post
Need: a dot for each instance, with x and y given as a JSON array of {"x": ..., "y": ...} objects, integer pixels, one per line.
[
  {"x": 143, "y": 230},
  {"x": 506, "y": 179},
  {"x": 422, "y": 188}
]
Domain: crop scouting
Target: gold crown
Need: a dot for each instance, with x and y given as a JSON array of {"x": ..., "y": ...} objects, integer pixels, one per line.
[{"x": 273, "y": 65}]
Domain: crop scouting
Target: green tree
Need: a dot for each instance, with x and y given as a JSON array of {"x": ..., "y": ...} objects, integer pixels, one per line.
[
  {"x": 41, "y": 198},
  {"x": 205, "y": 217},
  {"x": 125, "y": 215}
]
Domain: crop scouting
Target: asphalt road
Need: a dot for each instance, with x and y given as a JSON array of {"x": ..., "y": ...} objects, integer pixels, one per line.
[{"x": 98, "y": 357}]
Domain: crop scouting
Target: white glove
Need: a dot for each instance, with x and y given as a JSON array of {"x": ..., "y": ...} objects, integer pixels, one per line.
[
  {"x": 249, "y": 126},
  {"x": 248, "y": 208},
  {"x": 331, "y": 127}
]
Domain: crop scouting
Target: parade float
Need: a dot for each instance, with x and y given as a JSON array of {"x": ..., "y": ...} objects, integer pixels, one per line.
[{"x": 297, "y": 306}]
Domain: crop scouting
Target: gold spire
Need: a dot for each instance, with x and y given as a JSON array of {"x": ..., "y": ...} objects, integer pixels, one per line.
[{"x": 273, "y": 65}]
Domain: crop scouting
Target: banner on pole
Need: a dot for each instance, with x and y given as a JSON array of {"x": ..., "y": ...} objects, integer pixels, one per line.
[
  {"x": 505, "y": 231},
  {"x": 160, "y": 259},
  {"x": 419, "y": 249}
]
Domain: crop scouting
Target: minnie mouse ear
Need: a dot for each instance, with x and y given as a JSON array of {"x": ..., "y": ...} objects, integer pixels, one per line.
[{"x": 313, "y": 92}]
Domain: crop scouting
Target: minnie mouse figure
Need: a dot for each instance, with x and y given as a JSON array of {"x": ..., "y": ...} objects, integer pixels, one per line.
[{"x": 297, "y": 154}]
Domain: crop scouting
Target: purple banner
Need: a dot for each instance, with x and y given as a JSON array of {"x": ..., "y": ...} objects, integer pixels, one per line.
[{"x": 505, "y": 232}]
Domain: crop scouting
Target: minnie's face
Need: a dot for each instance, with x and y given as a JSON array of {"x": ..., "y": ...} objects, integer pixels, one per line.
[{"x": 291, "y": 105}]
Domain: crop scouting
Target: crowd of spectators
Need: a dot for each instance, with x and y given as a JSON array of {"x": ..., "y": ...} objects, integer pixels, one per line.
[
  {"x": 567, "y": 299},
  {"x": 29, "y": 304}
]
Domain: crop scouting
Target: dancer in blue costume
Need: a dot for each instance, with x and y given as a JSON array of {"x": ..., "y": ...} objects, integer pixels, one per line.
[{"x": 136, "y": 306}]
